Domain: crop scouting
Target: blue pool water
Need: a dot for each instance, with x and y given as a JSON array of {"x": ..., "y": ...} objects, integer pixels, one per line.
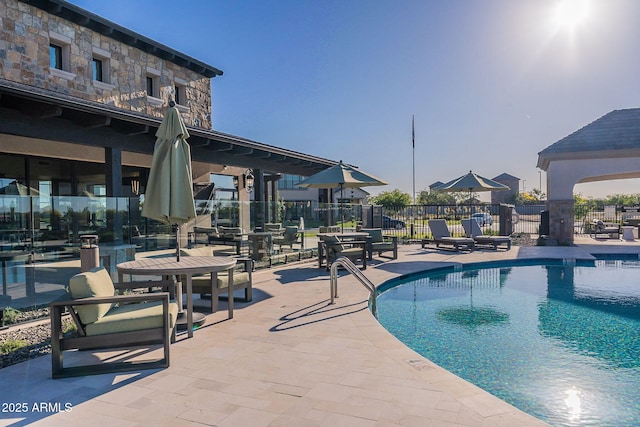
[{"x": 560, "y": 342}]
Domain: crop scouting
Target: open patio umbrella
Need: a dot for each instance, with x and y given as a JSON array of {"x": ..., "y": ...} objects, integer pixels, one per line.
[
  {"x": 169, "y": 194},
  {"x": 471, "y": 182},
  {"x": 343, "y": 176}
]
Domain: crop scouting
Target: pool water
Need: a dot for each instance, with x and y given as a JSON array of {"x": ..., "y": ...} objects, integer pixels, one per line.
[{"x": 560, "y": 342}]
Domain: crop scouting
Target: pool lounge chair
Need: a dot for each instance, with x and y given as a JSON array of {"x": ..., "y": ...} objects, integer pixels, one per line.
[
  {"x": 472, "y": 229},
  {"x": 599, "y": 227},
  {"x": 442, "y": 236}
]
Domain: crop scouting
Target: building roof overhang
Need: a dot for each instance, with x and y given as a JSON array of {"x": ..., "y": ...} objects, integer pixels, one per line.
[
  {"x": 65, "y": 118},
  {"x": 614, "y": 135}
]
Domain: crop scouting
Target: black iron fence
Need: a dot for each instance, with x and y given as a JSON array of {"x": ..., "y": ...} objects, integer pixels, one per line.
[{"x": 411, "y": 222}]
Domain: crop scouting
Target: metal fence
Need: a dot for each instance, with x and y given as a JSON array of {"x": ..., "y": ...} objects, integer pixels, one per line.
[
  {"x": 526, "y": 220},
  {"x": 411, "y": 222}
]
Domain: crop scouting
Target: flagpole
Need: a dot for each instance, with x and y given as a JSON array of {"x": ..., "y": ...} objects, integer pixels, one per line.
[{"x": 413, "y": 144}]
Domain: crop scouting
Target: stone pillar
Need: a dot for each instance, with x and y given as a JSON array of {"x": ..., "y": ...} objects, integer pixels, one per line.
[{"x": 561, "y": 218}]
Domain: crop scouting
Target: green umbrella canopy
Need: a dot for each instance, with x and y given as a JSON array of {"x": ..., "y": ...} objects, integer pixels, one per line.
[
  {"x": 341, "y": 175},
  {"x": 169, "y": 194},
  {"x": 471, "y": 182}
]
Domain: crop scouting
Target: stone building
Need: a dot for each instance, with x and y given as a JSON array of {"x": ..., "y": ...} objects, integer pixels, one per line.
[{"x": 81, "y": 98}]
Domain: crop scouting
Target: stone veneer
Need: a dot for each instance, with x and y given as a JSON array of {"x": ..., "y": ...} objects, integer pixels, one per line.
[
  {"x": 561, "y": 221},
  {"x": 24, "y": 58}
]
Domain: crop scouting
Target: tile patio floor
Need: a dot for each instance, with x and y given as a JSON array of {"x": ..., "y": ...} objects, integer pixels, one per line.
[{"x": 286, "y": 359}]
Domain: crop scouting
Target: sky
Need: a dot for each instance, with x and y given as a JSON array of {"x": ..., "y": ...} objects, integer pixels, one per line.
[{"x": 489, "y": 83}]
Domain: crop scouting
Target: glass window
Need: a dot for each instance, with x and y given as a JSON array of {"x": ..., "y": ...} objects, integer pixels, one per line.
[
  {"x": 55, "y": 56},
  {"x": 177, "y": 96},
  {"x": 149, "y": 86},
  {"x": 96, "y": 68}
]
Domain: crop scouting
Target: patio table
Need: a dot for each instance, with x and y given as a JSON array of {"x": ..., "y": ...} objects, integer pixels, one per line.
[{"x": 187, "y": 266}]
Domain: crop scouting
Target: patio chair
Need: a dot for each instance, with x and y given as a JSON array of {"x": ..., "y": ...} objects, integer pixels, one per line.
[
  {"x": 599, "y": 227},
  {"x": 472, "y": 229},
  {"x": 380, "y": 243},
  {"x": 273, "y": 227},
  {"x": 105, "y": 320},
  {"x": 288, "y": 238},
  {"x": 442, "y": 236},
  {"x": 203, "y": 285},
  {"x": 335, "y": 248}
]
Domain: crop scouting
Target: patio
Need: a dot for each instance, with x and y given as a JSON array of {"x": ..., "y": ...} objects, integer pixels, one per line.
[{"x": 287, "y": 358}]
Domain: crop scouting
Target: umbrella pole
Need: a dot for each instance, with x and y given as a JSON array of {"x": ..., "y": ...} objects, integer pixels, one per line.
[
  {"x": 178, "y": 242},
  {"x": 342, "y": 207}
]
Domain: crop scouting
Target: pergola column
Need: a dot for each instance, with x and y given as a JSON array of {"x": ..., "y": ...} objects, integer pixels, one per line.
[{"x": 561, "y": 221}]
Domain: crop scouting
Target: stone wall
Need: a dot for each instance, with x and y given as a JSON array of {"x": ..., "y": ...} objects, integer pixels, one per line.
[
  {"x": 25, "y": 35},
  {"x": 561, "y": 221}
]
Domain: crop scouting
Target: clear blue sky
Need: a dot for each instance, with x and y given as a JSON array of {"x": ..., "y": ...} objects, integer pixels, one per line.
[{"x": 490, "y": 82}]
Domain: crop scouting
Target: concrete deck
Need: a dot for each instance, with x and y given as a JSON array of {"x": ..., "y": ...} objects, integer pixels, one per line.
[{"x": 286, "y": 359}]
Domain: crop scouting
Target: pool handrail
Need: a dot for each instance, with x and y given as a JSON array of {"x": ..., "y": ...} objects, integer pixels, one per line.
[{"x": 355, "y": 271}]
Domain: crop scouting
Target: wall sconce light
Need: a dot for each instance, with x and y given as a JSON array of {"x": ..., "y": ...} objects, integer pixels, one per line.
[
  {"x": 135, "y": 186},
  {"x": 249, "y": 180},
  {"x": 235, "y": 182}
]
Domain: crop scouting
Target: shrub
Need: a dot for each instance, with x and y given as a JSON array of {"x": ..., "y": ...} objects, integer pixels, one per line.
[{"x": 11, "y": 346}]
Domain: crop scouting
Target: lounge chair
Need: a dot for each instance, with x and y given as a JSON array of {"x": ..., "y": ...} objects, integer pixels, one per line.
[
  {"x": 203, "y": 285},
  {"x": 472, "y": 229},
  {"x": 105, "y": 320},
  {"x": 380, "y": 243},
  {"x": 442, "y": 236},
  {"x": 599, "y": 227}
]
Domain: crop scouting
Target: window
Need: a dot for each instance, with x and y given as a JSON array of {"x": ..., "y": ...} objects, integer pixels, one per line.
[
  {"x": 96, "y": 70},
  {"x": 100, "y": 66},
  {"x": 290, "y": 182},
  {"x": 153, "y": 86},
  {"x": 180, "y": 91},
  {"x": 59, "y": 56},
  {"x": 150, "y": 86},
  {"x": 55, "y": 56},
  {"x": 177, "y": 95}
]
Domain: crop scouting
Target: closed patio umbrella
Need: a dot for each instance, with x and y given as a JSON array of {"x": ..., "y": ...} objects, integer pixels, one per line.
[
  {"x": 343, "y": 176},
  {"x": 169, "y": 194}
]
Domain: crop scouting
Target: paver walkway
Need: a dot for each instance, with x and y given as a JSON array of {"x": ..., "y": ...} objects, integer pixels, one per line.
[{"x": 286, "y": 359}]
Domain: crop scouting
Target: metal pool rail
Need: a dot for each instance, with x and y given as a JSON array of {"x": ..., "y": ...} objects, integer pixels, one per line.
[{"x": 355, "y": 271}]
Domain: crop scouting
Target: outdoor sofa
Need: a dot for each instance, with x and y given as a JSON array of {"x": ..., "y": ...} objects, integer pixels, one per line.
[{"x": 598, "y": 227}]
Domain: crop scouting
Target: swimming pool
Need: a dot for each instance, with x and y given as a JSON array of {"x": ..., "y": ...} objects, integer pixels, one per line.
[{"x": 558, "y": 341}]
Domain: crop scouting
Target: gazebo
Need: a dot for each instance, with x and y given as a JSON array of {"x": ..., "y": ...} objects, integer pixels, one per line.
[{"x": 606, "y": 149}]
